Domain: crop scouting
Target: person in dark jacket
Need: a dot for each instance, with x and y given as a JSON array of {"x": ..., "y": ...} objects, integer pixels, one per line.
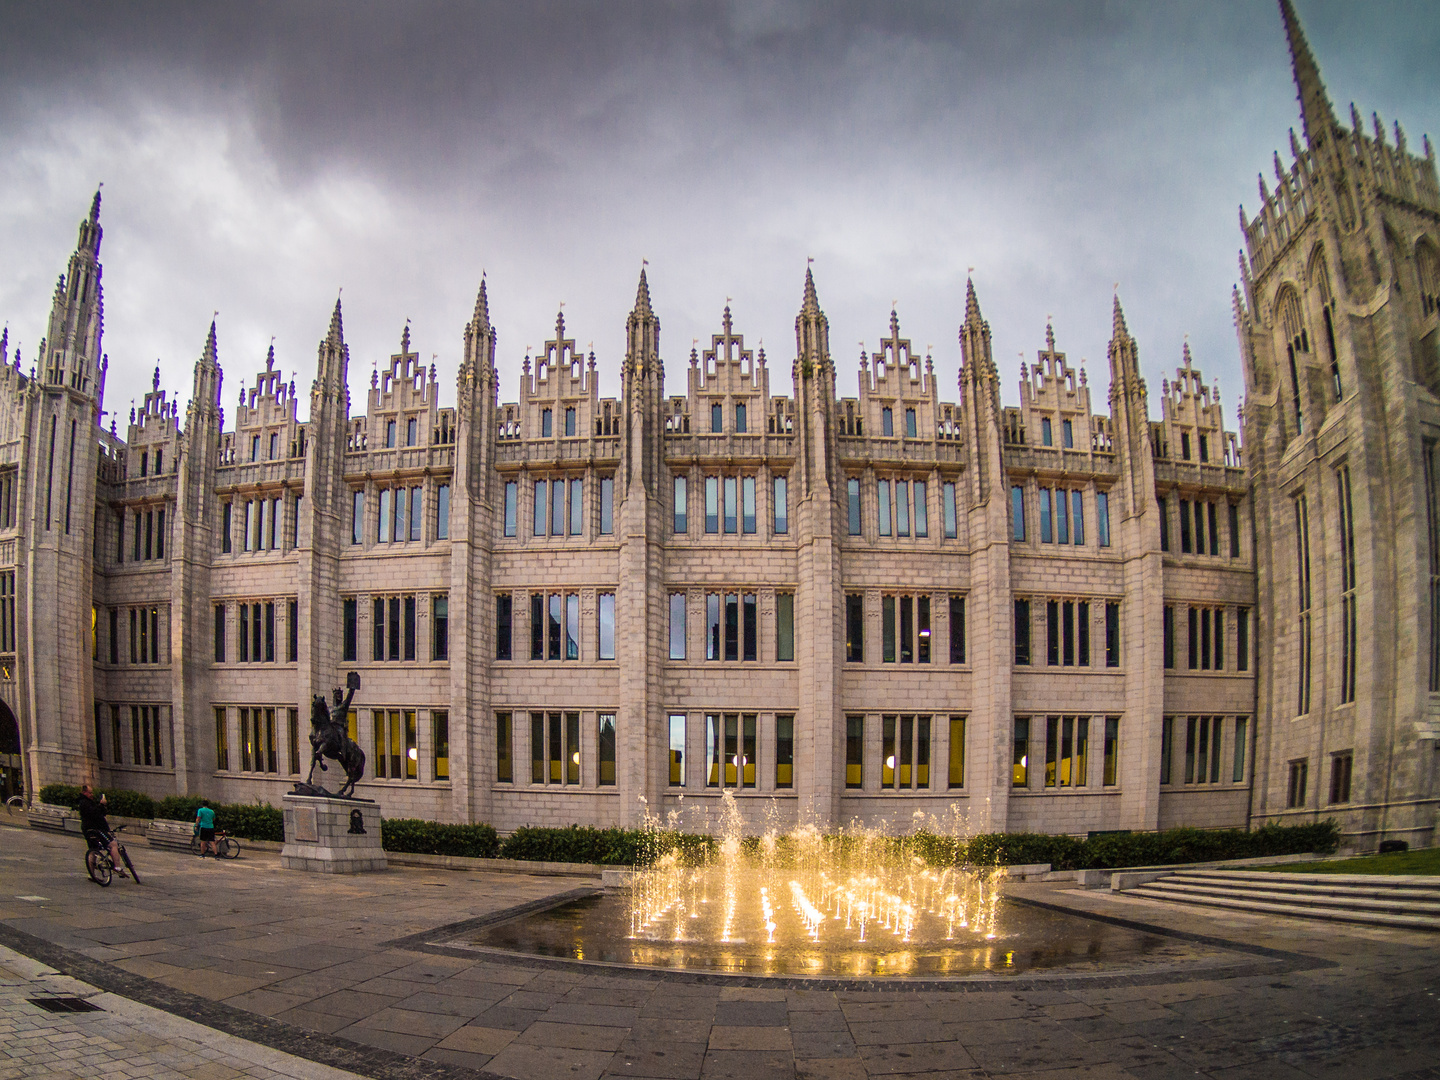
[{"x": 96, "y": 827}]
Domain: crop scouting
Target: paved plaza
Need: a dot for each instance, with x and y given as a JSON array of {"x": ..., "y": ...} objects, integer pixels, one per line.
[{"x": 219, "y": 970}]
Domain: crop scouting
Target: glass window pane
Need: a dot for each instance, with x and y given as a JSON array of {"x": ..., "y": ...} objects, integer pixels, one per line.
[
  {"x": 782, "y": 509},
  {"x": 1102, "y": 518},
  {"x": 385, "y": 522},
  {"x": 440, "y": 744},
  {"x": 712, "y": 626},
  {"x": 677, "y": 750},
  {"x": 541, "y": 502},
  {"x": 572, "y": 626},
  {"x": 785, "y": 751},
  {"x": 882, "y": 495},
  {"x": 747, "y": 504},
  {"x": 605, "y": 737},
  {"x": 712, "y": 504},
  {"x": 853, "y": 487},
  {"x": 577, "y": 507},
  {"x": 557, "y": 507},
  {"x": 922, "y": 517},
  {"x": 607, "y": 505},
  {"x": 784, "y": 626},
  {"x": 681, "y": 522},
  {"x": 504, "y": 751},
  {"x": 511, "y": 500},
  {"x": 951, "y": 524},
  {"x": 956, "y": 773},
  {"x": 902, "y": 508},
  {"x": 677, "y": 626},
  {"x": 1017, "y": 513},
  {"x": 607, "y": 626},
  {"x": 731, "y": 507}
]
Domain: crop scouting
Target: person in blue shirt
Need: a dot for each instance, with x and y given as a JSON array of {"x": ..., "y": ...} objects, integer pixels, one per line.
[{"x": 205, "y": 826}]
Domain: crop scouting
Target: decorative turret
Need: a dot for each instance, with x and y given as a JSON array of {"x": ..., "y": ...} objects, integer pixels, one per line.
[
  {"x": 643, "y": 377},
  {"x": 1316, "y": 115},
  {"x": 72, "y": 346}
]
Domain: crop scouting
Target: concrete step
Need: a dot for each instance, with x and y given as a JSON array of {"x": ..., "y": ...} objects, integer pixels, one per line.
[
  {"x": 1180, "y": 890},
  {"x": 1328, "y": 882},
  {"x": 1354, "y": 887},
  {"x": 1240, "y": 903}
]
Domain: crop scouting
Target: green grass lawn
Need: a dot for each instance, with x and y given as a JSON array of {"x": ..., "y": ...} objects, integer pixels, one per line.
[{"x": 1397, "y": 862}]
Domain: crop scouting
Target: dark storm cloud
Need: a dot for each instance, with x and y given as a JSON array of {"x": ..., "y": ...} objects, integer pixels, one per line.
[{"x": 257, "y": 158}]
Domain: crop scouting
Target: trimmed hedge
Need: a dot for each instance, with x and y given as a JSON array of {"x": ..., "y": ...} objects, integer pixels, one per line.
[
  {"x": 121, "y": 803},
  {"x": 607, "y": 847},
  {"x": 435, "y": 838},
  {"x": 1174, "y": 846}
]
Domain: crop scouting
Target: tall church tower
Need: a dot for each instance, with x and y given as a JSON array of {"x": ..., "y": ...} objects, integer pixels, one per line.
[
  {"x": 1337, "y": 318},
  {"x": 57, "y": 517}
]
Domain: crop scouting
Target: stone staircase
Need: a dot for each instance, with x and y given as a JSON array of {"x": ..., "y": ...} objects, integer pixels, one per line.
[{"x": 1411, "y": 902}]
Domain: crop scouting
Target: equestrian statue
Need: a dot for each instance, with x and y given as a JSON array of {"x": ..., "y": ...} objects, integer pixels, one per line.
[{"x": 329, "y": 738}]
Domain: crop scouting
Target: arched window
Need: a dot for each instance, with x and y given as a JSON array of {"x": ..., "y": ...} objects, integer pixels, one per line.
[
  {"x": 1320, "y": 279},
  {"x": 1297, "y": 340},
  {"x": 1427, "y": 266}
]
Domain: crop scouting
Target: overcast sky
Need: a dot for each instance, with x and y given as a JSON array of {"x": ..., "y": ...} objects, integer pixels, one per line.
[{"x": 257, "y": 158}]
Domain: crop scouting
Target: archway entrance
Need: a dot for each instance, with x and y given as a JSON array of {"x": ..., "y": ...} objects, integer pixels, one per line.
[{"x": 12, "y": 769}]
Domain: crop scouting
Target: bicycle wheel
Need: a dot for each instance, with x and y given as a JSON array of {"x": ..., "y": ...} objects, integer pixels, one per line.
[
  {"x": 195, "y": 847},
  {"x": 97, "y": 863},
  {"x": 228, "y": 848},
  {"x": 128, "y": 864}
]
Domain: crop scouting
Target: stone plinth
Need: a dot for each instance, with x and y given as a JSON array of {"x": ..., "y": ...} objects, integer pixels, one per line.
[{"x": 321, "y": 835}]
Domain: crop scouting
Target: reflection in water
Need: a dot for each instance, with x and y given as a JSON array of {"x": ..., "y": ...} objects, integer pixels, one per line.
[{"x": 856, "y": 905}]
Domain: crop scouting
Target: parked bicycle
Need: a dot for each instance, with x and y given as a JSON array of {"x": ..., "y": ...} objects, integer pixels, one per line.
[
  {"x": 98, "y": 863},
  {"x": 226, "y": 846}
]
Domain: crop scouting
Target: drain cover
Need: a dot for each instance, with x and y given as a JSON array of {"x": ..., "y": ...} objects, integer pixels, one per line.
[{"x": 65, "y": 1005}]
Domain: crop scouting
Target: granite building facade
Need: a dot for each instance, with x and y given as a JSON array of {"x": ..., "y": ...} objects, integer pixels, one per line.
[{"x": 1042, "y": 616}]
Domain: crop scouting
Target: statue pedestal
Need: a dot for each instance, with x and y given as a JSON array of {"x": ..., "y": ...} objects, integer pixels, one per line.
[{"x": 332, "y": 836}]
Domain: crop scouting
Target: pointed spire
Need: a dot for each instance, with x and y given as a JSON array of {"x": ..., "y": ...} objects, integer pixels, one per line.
[
  {"x": 1294, "y": 145},
  {"x": 481, "y": 317},
  {"x": 337, "y": 329},
  {"x": 405, "y": 338},
  {"x": 1316, "y": 116},
  {"x": 811, "y": 302},
  {"x": 560, "y": 324},
  {"x": 95, "y": 207},
  {"x": 155, "y": 383},
  {"x": 1118, "y": 329},
  {"x": 972, "y": 303},
  {"x": 212, "y": 350},
  {"x": 1049, "y": 336},
  {"x": 269, "y": 355},
  {"x": 642, "y": 296}
]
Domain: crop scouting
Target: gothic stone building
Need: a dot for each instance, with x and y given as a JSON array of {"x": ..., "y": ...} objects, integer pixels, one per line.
[{"x": 573, "y": 609}]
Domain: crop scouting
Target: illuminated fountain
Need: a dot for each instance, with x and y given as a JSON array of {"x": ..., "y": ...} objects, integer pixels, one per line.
[{"x": 857, "y": 904}]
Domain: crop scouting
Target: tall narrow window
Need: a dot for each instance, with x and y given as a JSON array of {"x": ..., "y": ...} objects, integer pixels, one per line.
[
  {"x": 882, "y": 500},
  {"x": 542, "y": 503},
  {"x": 855, "y": 628},
  {"x": 383, "y": 526},
  {"x": 1047, "y": 535},
  {"x": 504, "y": 748},
  {"x": 351, "y": 629},
  {"x": 292, "y": 631},
  {"x": 577, "y": 507},
  {"x": 1349, "y": 645},
  {"x": 222, "y": 737},
  {"x": 677, "y": 626},
  {"x": 409, "y": 627},
  {"x": 854, "y": 751},
  {"x": 922, "y": 629},
  {"x": 955, "y": 775},
  {"x": 1022, "y": 631},
  {"x": 1052, "y": 633},
  {"x": 607, "y": 506},
  {"x": 607, "y": 626},
  {"x": 784, "y": 626},
  {"x": 572, "y": 626},
  {"x": 1302, "y": 574},
  {"x": 712, "y": 504},
  {"x": 747, "y": 504},
  {"x": 1241, "y": 744},
  {"x": 547, "y": 423},
  {"x": 570, "y": 422},
  {"x": 537, "y": 626},
  {"x": 1102, "y": 518},
  {"x": 357, "y": 516},
  {"x": 910, "y": 427},
  {"x": 852, "y": 487},
  {"x": 947, "y": 490},
  {"x": 1077, "y": 509},
  {"x": 557, "y": 507},
  {"x": 677, "y": 749},
  {"x": 1168, "y": 645},
  {"x": 887, "y": 629},
  {"x": 219, "y": 633},
  {"x": 1020, "y": 753},
  {"x": 887, "y": 421},
  {"x": 731, "y": 505},
  {"x": 225, "y": 518},
  {"x": 712, "y": 626},
  {"x": 1017, "y": 513},
  {"x": 439, "y": 742},
  {"x": 1047, "y": 436},
  {"x": 740, "y": 424},
  {"x": 1234, "y": 530},
  {"x": 784, "y": 751},
  {"x": 504, "y": 624},
  {"x": 604, "y": 750},
  {"x": 1193, "y": 638},
  {"x": 1295, "y": 795},
  {"x": 717, "y": 418},
  {"x": 732, "y": 626},
  {"x": 902, "y": 508},
  {"x": 681, "y": 522},
  {"x": 1112, "y": 634},
  {"x": 1112, "y": 751},
  {"x": 1167, "y": 747},
  {"x": 512, "y": 499},
  {"x": 1187, "y": 545},
  {"x": 957, "y": 629},
  {"x": 782, "y": 509},
  {"x": 440, "y": 627},
  {"x": 1062, "y": 516}
]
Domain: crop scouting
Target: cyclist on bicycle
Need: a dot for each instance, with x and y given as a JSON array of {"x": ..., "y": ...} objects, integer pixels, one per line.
[
  {"x": 96, "y": 828},
  {"x": 205, "y": 827}
]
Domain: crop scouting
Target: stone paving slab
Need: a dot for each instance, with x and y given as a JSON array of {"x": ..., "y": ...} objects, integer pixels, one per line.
[
  {"x": 124, "y": 1038},
  {"x": 357, "y": 973}
]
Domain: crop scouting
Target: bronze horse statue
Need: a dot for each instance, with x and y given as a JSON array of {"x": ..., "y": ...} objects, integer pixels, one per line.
[{"x": 329, "y": 738}]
